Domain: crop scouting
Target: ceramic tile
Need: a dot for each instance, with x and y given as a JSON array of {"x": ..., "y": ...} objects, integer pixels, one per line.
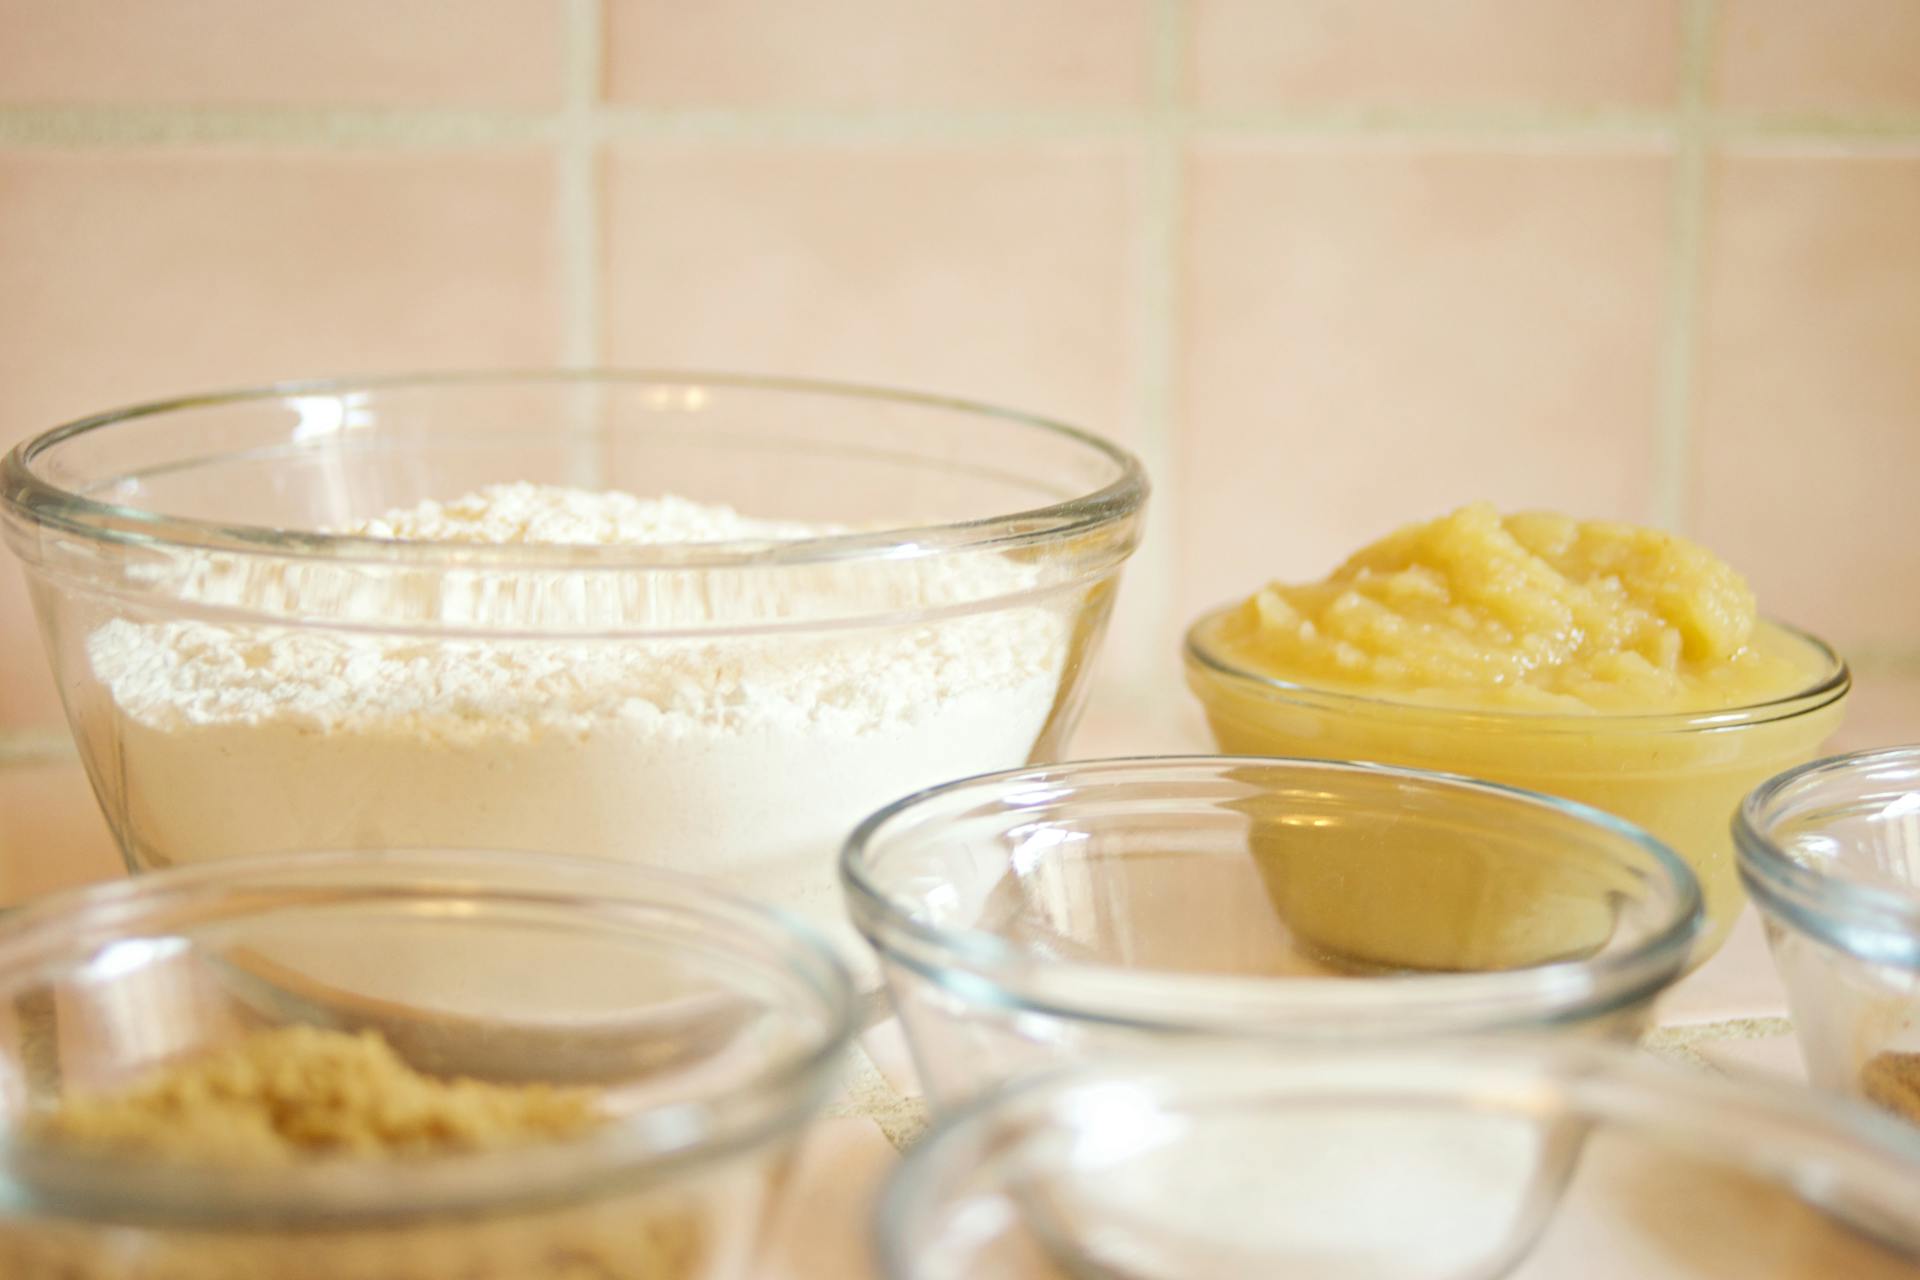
[
  {"x": 1738, "y": 982},
  {"x": 997, "y": 275},
  {"x": 1135, "y": 699},
  {"x": 1806, "y": 438},
  {"x": 52, "y": 835},
  {"x": 1409, "y": 53},
  {"x": 822, "y": 1230},
  {"x": 1776, "y": 1057},
  {"x": 1827, "y": 58},
  {"x": 280, "y": 52},
  {"x": 27, "y": 696},
  {"x": 1883, "y": 711},
  {"x": 1377, "y": 336},
  {"x": 1165, "y": 722},
  {"x": 130, "y": 275},
  {"x": 875, "y": 54}
]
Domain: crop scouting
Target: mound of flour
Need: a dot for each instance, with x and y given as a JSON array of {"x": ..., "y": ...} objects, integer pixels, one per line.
[{"x": 748, "y": 759}]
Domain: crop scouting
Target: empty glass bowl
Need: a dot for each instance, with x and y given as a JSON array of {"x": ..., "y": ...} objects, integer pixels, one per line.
[
  {"x": 1043, "y": 915},
  {"x": 1831, "y": 853},
  {"x": 244, "y": 674},
  {"x": 713, "y": 1028},
  {"x": 1476, "y": 1162},
  {"x": 1680, "y": 776}
]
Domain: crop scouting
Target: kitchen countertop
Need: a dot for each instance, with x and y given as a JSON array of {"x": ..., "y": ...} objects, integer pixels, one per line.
[{"x": 1729, "y": 1016}]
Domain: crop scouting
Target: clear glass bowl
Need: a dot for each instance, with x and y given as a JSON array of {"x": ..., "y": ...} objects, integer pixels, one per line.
[
  {"x": 1460, "y": 1162},
  {"x": 242, "y": 680},
  {"x": 714, "y": 1027},
  {"x": 1831, "y": 854},
  {"x": 1678, "y": 776},
  {"x": 1044, "y": 915}
]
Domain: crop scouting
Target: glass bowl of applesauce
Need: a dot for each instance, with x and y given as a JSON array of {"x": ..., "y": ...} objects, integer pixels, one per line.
[
  {"x": 1620, "y": 666},
  {"x": 1057, "y": 914}
]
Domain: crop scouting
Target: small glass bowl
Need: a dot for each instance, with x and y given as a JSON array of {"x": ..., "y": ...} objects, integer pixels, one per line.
[
  {"x": 1437, "y": 1162},
  {"x": 1678, "y": 776},
  {"x": 243, "y": 678},
  {"x": 713, "y": 1028},
  {"x": 1831, "y": 853},
  {"x": 1043, "y": 915}
]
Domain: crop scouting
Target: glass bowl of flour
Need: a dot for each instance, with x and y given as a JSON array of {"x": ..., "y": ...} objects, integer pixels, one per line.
[{"x": 697, "y": 622}]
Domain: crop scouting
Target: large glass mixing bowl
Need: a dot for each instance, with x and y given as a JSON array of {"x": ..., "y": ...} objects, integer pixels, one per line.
[{"x": 244, "y": 677}]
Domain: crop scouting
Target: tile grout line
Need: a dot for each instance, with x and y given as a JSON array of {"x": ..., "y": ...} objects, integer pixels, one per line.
[
  {"x": 579, "y": 211},
  {"x": 28, "y": 748},
  {"x": 1158, "y": 292},
  {"x": 79, "y": 127},
  {"x": 1681, "y": 311},
  {"x": 716, "y": 125},
  {"x": 427, "y": 128}
]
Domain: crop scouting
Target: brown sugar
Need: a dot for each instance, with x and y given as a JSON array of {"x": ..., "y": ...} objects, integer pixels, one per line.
[
  {"x": 297, "y": 1091},
  {"x": 305, "y": 1093},
  {"x": 1892, "y": 1081}
]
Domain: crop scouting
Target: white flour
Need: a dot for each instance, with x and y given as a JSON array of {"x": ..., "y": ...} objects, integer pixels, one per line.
[{"x": 749, "y": 759}]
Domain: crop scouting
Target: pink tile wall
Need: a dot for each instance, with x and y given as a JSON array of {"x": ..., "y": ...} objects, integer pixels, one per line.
[
  {"x": 252, "y": 52},
  {"x": 1330, "y": 264},
  {"x": 1830, "y": 57},
  {"x": 131, "y": 274},
  {"x": 1414, "y": 53},
  {"x": 52, "y": 834},
  {"x": 1000, "y": 273},
  {"x": 877, "y": 54}
]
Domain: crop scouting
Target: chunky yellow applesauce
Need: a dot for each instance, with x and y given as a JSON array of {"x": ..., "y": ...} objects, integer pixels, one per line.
[
  {"x": 1623, "y": 667},
  {"x": 1531, "y": 612}
]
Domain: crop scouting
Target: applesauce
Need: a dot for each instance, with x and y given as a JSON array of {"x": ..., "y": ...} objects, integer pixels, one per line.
[{"x": 1619, "y": 666}]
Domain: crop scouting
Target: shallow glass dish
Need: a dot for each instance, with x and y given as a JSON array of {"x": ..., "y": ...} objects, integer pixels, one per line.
[
  {"x": 713, "y": 1027},
  {"x": 242, "y": 677},
  {"x": 1678, "y": 776},
  {"x": 1038, "y": 916},
  {"x": 1831, "y": 854},
  {"x": 1561, "y": 1162}
]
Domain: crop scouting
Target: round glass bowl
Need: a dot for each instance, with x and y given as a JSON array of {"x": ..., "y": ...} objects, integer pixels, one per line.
[
  {"x": 1831, "y": 854},
  {"x": 242, "y": 677},
  {"x": 1053, "y": 914},
  {"x": 1416, "y": 1163},
  {"x": 1678, "y": 776},
  {"x": 713, "y": 1028}
]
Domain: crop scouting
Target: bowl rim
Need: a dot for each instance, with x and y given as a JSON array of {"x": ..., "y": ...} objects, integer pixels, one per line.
[
  {"x": 980, "y": 967},
  {"x": 1792, "y": 1138},
  {"x": 27, "y": 498},
  {"x": 1876, "y": 923},
  {"x": 652, "y": 1146},
  {"x": 1829, "y": 688}
]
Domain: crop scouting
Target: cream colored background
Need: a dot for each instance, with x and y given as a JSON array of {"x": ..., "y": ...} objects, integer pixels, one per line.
[{"x": 1327, "y": 264}]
